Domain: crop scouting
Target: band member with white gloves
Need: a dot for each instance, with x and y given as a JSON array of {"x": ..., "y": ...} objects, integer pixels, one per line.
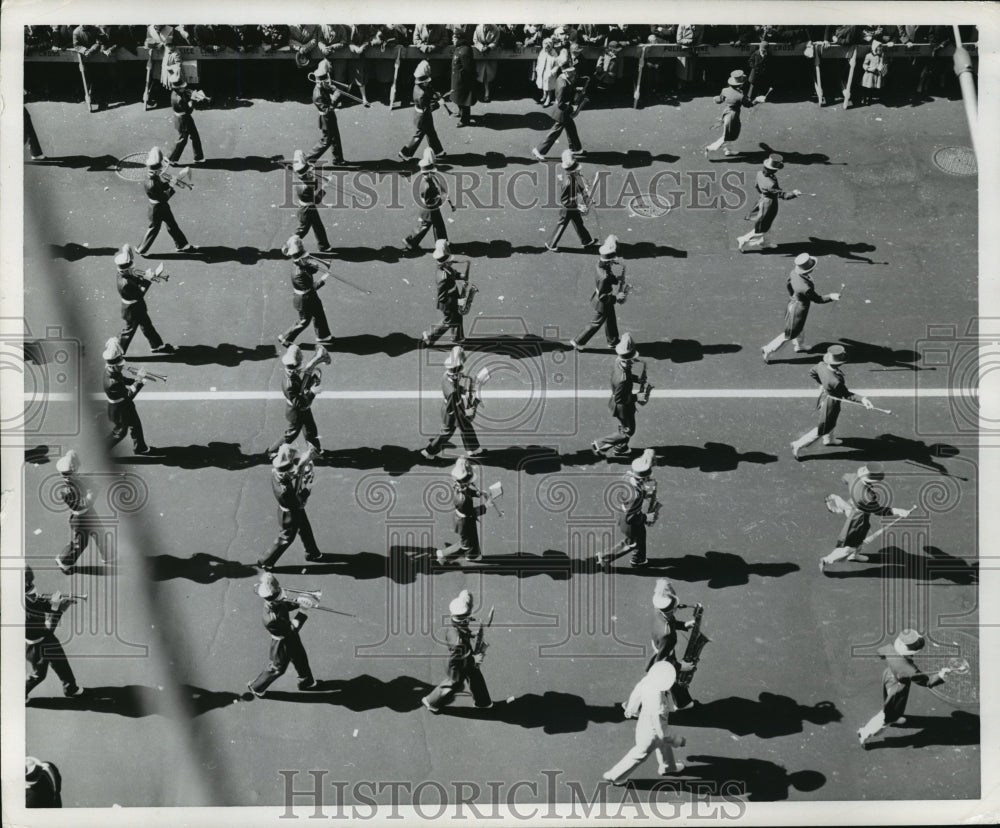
[
  {"x": 299, "y": 392},
  {"x": 734, "y": 98},
  {"x": 649, "y": 705},
  {"x": 803, "y": 293},
  {"x": 766, "y": 209},
  {"x": 639, "y": 509},
  {"x": 464, "y": 658},
  {"x": 83, "y": 522},
  {"x": 665, "y": 627},
  {"x": 625, "y": 376},
  {"x": 132, "y": 287},
  {"x": 305, "y": 298}
]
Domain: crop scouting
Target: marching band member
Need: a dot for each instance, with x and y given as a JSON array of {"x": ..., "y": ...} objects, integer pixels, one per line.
[
  {"x": 120, "y": 392},
  {"x": 647, "y": 704},
  {"x": 324, "y": 97},
  {"x": 449, "y": 295},
  {"x": 431, "y": 199},
  {"x": 764, "y": 212},
  {"x": 308, "y": 196},
  {"x": 182, "y": 102},
  {"x": 865, "y": 500},
  {"x": 42, "y": 784},
  {"x": 624, "y": 398},
  {"x": 467, "y": 514},
  {"x": 424, "y": 104},
  {"x": 734, "y": 98},
  {"x": 803, "y": 292},
  {"x": 159, "y": 193},
  {"x": 457, "y": 410},
  {"x": 286, "y": 644},
  {"x": 132, "y": 287},
  {"x": 42, "y": 612},
  {"x": 638, "y": 510},
  {"x": 665, "y": 627},
  {"x": 607, "y": 293},
  {"x": 573, "y": 189},
  {"x": 291, "y": 483},
  {"x": 833, "y": 389},
  {"x": 465, "y": 654},
  {"x": 299, "y": 391},
  {"x": 900, "y": 673},
  {"x": 562, "y": 114},
  {"x": 83, "y": 523},
  {"x": 305, "y": 298}
]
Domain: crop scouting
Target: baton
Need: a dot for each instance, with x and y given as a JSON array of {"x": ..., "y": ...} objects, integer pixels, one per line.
[
  {"x": 327, "y": 609},
  {"x": 874, "y": 407},
  {"x": 874, "y": 535}
]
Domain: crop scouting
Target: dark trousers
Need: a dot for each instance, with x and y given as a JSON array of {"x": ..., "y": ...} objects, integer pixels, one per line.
[
  {"x": 160, "y": 214},
  {"x": 186, "y": 128},
  {"x": 618, "y": 442},
  {"x": 634, "y": 531},
  {"x": 47, "y": 652},
  {"x": 309, "y": 220},
  {"x": 329, "y": 139},
  {"x": 566, "y": 217},
  {"x": 136, "y": 316},
  {"x": 604, "y": 315},
  {"x": 293, "y": 524},
  {"x": 311, "y": 311},
  {"x": 428, "y": 219},
  {"x": 461, "y": 422},
  {"x": 81, "y": 527},
  {"x": 124, "y": 420},
  {"x": 451, "y": 320},
  {"x": 557, "y": 129},
  {"x": 288, "y": 650},
  {"x": 445, "y": 692},
  {"x": 298, "y": 419},
  {"x": 31, "y": 137},
  {"x": 425, "y": 129},
  {"x": 465, "y": 114}
]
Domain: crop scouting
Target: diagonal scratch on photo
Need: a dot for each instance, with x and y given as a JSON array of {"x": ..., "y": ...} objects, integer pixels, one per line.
[{"x": 496, "y": 421}]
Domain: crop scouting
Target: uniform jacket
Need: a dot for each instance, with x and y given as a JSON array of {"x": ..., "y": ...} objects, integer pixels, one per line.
[
  {"x": 276, "y": 620},
  {"x": 664, "y": 636},
  {"x": 800, "y": 287},
  {"x": 118, "y": 388},
  {"x": 463, "y": 499},
  {"x": 453, "y": 388},
  {"x": 832, "y": 383},
  {"x": 46, "y": 791},
  {"x": 571, "y": 192},
  {"x": 73, "y": 494},
  {"x": 39, "y": 619},
  {"x": 734, "y": 99},
  {"x": 296, "y": 395},
  {"x": 304, "y": 276},
  {"x": 460, "y": 640},
  {"x": 605, "y": 287},
  {"x": 431, "y": 197},
  {"x": 308, "y": 192},
  {"x": 565, "y": 99},
  {"x": 767, "y": 185},
  {"x": 180, "y": 101},
  {"x": 157, "y": 189},
  {"x": 132, "y": 286},
  {"x": 285, "y": 488},
  {"x": 447, "y": 287},
  {"x": 623, "y": 380}
]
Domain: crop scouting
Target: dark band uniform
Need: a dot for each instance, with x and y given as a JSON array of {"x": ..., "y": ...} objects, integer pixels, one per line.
[
  {"x": 764, "y": 212},
  {"x": 308, "y": 194},
  {"x": 833, "y": 389},
  {"x": 900, "y": 673},
  {"x": 603, "y": 301},
  {"x": 467, "y": 518},
  {"x": 158, "y": 193},
  {"x": 44, "y": 788},
  {"x": 448, "y": 294},
  {"x": 132, "y": 287},
  {"x": 183, "y": 106},
  {"x": 431, "y": 200},
  {"x": 622, "y": 406},
  {"x": 664, "y": 635},
  {"x": 454, "y": 387},
  {"x": 324, "y": 101},
  {"x": 298, "y": 411},
  {"x": 562, "y": 117},
  {"x": 83, "y": 522},
  {"x": 42, "y": 648},
  {"x": 306, "y": 301},
  {"x": 286, "y": 647},
  {"x": 120, "y": 391},
  {"x": 292, "y": 498},
  {"x": 803, "y": 292},
  {"x": 462, "y": 668},
  {"x": 424, "y": 104},
  {"x": 570, "y": 211},
  {"x": 865, "y": 502}
]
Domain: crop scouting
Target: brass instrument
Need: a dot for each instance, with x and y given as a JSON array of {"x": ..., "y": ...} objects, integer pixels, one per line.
[
  {"x": 335, "y": 86},
  {"x": 157, "y": 275},
  {"x": 581, "y": 99},
  {"x": 696, "y": 643},
  {"x": 443, "y": 99},
  {"x": 311, "y": 375},
  {"x": 306, "y": 476},
  {"x": 465, "y": 298},
  {"x": 143, "y": 374},
  {"x": 645, "y": 387},
  {"x": 624, "y": 288},
  {"x": 309, "y": 600},
  {"x": 652, "y": 510},
  {"x": 473, "y": 391},
  {"x": 199, "y": 97},
  {"x": 325, "y": 267},
  {"x": 181, "y": 180}
]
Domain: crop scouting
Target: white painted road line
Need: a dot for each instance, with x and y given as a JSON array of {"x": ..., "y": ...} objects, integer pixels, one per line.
[{"x": 549, "y": 394}]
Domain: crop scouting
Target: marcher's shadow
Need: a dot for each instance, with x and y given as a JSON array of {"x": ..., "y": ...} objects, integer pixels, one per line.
[
  {"x": 225, "y": 354},
  {"x": 849, "y": 251},
  {"x": 712, "y": 457},
  {"x": 719, "y": 569},
  {"x": 37, "y": 455},
  {"x": 361, "y": 693},
  {"x": 959, "y": 728},
  {"x": 386, "y": 253},
  {"x": 769, "y": 717},
  {"x": 537, "y": 121},
  {"x": 214, "y": 455},
  {"x": 216, "y": 254},
  {"x": 791, "y": 158},
  {"x": 393, "y": 345},
  {"x": 73, "y": 252},
  {"x": 683, "y": 350},
  {"x": 631, "y": 160},
  {"x": 887, "y": 447},
  {"x": 394, "y": 460},
  {"x": 136, "y": 701},
  {"x": 248, "y": 163},
  {"x": 97, "y": 163},
  {"x": 649, "y": 250},
  {"x": 202, "y": 568},
  {"x": 528, "y": 346},
  {"x": 552, "y": 712},
  {"x": 896, "y": 563},
  {"x": 859, "y": 352},
  {"x": 757, "y": 779},
  {"x": 495, "y": 249},
  {"x": 400, "y": 566},
  {"x": 554, "y": 563}
]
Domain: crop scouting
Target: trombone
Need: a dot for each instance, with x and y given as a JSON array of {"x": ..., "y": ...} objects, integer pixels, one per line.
[
  {"x": 182, "y": 179},
  {"x": 309, "y": 600},
  {"x": 142, "y": 373},
  {"x": 325, "y": 267}
]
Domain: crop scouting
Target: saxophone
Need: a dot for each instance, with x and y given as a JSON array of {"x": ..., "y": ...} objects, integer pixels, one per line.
[{"x": 696, "y": 643}]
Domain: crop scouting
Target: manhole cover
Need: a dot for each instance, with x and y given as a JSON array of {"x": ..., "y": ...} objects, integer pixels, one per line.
[{"x": 956, "y": 160}]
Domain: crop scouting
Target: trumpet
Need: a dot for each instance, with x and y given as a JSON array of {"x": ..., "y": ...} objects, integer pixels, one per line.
[
  {"x": 182, "y": 179},
  {"x": 199, "y": 97},
  {"x": 311, "y": 375},
  {"x": 143, "y": 374}
]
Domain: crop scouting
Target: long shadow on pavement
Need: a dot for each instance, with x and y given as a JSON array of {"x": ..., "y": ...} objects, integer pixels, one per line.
[
  {"x": 214, "y": 455},
  {"x": 633, "y": 159},
  {"x": 887, "y": 447},
  {"x": 895, "y": 562},
  {"x": 393, "y": 345},
  {"x": 73, "y": 252},
  {"x": 135, "y": 701},
  {"x": 757, "y": 779},
  {"x": 361, "y": 693},
  {"x": 552, "y": 712},
  {"x": 712, "y": 457},
  {"x": 225, "y": 354},
  {"x": 202, "y": 568},
  {"x": 214, "y": 254},
  {"x": 718, "y": 569},
  {"x": 96, "y": 163},
  {"x": 960, "y": 728},
  {"x": 769, "y": 717},
  {"x": 248, "y": 163},
  {"x": 649, "y": 250},
  {"x": 684, "y": 350},
  {"x": 496, "y": 249},
  {"x": 791, "y": 157},
  {"x": 814, "y": 246}
]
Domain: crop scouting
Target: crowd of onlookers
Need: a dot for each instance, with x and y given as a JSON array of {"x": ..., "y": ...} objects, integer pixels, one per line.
[{"x": 596, "y": 48}]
